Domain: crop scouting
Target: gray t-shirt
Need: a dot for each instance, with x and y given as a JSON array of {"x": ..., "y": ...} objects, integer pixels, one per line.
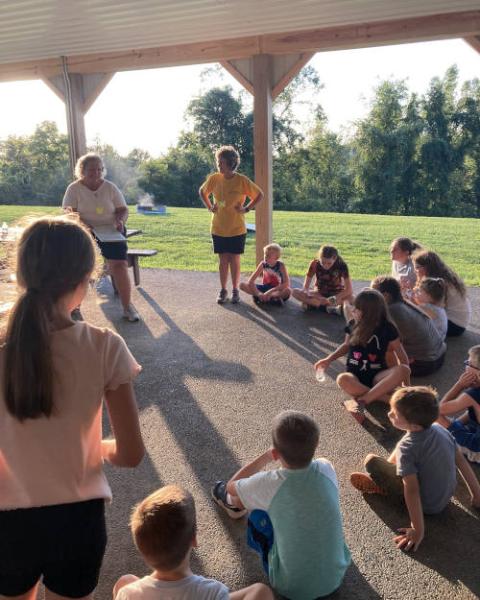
[
  {"x": 430, "y": 454},
  {"x": 194, "y": 587},
  {"x": 418, "y": 334}
]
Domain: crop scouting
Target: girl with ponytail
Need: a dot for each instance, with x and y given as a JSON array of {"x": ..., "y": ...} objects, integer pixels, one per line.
[{"x": 54, "y": 375}]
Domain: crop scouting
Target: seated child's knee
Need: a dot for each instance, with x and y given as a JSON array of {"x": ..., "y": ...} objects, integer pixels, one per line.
[{"x": 342, "y": 379}]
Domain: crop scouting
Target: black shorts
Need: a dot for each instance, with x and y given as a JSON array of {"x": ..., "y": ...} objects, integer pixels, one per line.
[
  {"x": 64, "y": 543},
  {"x": 229, "y": 245},
  {"x": 366, "y": 377}
]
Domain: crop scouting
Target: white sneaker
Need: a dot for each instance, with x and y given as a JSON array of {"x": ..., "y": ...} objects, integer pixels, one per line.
[{"x": 130, "y": 314}]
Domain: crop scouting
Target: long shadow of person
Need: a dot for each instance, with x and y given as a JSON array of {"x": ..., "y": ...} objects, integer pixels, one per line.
[{"x": 175, "y": 420}]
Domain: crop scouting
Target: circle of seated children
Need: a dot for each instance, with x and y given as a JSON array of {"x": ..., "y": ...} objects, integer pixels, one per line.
[{"x": 164, "y": 524}]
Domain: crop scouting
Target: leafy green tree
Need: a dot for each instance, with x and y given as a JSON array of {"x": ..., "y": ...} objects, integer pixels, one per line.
[{"x": 34, "y": 169}]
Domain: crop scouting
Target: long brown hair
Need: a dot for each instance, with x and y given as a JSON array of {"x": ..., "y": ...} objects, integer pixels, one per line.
[
  {"x": 435, "y": 267},
  {"x": 375, "y": 313},
  {"x": 54, "y": 255}
]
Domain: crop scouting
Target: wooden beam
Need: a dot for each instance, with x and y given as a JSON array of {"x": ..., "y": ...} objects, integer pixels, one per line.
[
  {"x": 238, "y": 75},
  {"x": 96, "y": 87},
  {"x": 434, "y": 27},
  {"x": 361, "y": 35},
  {"x": 291, "y": 73},
  {"x": 474, "y": 42},
  {"x": 262, "y": 140},
  {"x": 56, "y": 84}
]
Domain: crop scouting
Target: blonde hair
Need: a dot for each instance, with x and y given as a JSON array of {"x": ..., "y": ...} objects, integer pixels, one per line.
[
  {"x": 54, "y": 256},
  {"x": 474, "y": 352},
  {"x": 163, "y": 526},
  {"x": 83, "y": 162},
  {"x": 272, "y": 248}
]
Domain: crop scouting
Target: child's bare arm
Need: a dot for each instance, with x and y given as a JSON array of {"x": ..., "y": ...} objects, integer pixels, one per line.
[
  {"x": 307, "y": 282},
  {"x": 454, "y": 400},
  {"x": 469, "y": 477},
  {"x": 396, "y": 346},
  {"x": 339, "y": 352},
  {"x": 286, "y": 278},
  {"x": 256, "y": 274},
  {"x": 126, "y": 449},
  {"x": 411, "y": 537},
  {"x": 250, "y": 469}
]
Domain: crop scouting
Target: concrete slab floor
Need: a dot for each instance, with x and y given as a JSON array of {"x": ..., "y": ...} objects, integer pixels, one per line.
[{"x": 213, "y": 378}]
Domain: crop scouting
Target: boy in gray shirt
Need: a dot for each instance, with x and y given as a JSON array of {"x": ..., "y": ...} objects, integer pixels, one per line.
[{"x": 423, "y": 465}]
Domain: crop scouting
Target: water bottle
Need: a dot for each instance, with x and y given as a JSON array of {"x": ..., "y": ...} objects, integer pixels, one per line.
[
  {"x": 320, "y": 375},
  {"x": 4, "y": 231}
]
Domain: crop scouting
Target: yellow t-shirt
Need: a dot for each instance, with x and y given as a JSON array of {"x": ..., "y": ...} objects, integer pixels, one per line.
[{"x": 227, "y": 194}]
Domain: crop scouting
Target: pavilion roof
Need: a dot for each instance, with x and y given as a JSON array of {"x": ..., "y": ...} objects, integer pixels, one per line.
[{"x": 48, "y": 29}]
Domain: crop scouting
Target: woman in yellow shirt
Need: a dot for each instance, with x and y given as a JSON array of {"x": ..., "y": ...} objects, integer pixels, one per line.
[{"x": 224, "y": 195}]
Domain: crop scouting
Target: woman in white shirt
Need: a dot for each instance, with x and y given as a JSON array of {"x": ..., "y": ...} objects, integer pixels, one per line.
[
  {"x": 100, "y": 203},
  {"x": 457, "y": 304}
]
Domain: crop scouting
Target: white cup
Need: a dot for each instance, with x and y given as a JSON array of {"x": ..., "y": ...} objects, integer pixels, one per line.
[{"x": 320, "y": 375}]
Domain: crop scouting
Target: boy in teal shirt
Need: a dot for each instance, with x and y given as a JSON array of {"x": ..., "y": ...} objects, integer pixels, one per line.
[{"x": 295, "y": 523}]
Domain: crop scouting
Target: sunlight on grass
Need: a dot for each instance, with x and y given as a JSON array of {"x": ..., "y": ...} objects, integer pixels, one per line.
[{"x": 182, "y": 239}]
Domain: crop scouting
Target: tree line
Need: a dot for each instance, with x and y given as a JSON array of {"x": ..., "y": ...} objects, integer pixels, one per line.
[{"x": 411, "y": 155}]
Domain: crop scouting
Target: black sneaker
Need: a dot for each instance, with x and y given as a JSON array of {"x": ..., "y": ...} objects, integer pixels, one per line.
[
  {"x": 235, "y": 296},
  {"x": 219, "y": 495},
  {"x": 222, "y": 296}
]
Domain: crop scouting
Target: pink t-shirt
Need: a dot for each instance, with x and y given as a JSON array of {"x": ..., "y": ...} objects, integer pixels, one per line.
[{"x": 58, "y": 460}]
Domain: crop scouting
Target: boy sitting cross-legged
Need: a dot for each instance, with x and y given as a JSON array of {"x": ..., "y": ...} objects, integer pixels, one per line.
[
  {"x": 295, "y": 523},
  {"x": 165, "y": 532},
  {"x": 422, "y": 468}
]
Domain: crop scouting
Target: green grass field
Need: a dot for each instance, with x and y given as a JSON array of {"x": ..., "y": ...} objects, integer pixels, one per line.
[{"x": 182, "y": 239}]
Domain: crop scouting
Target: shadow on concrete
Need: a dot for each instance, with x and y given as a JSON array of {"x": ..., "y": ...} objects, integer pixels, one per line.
[
  {"x": 451, "y": 556},
  {"x": 174, "y": 357}
]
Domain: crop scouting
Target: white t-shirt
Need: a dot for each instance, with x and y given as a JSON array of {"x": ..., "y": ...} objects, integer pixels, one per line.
[
  {"x": 95, "y": 208},
  {"x": 458, "y": 307},
  {"x": 258, "y": 491},
  {"x": 194, "y": 587},
  {"x": 58, "y": 460}
]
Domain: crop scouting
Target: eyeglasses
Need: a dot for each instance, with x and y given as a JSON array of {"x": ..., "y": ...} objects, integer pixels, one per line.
[{"x": 467, "y": 363}]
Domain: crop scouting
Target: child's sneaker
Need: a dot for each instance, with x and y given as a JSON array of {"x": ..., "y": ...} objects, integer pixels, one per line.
[
  {"x": 356, "y": 409},
  {"x": 335, "y": 310},
  {"x": 222, "y": 296},
  {"x": 235, "y": 296},
  {"x": 257, "y": 300},
  {"x": 365, "y": 484},
  {"x": 219, "y": 495}
]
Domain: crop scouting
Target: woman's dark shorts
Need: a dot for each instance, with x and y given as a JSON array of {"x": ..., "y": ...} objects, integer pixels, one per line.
[
  {"x": 65, "y": 543},
  {"x": 229, "y": 245}
]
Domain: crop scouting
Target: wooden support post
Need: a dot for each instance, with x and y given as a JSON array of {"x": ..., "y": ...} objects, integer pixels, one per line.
[
  {"x": 262, "y": 137},
  {"x": 78, "y": 92},
  {"x": 74, "y": 102}
]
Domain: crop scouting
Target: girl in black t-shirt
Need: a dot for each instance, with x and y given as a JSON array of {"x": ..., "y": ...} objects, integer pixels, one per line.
[{"x": 368, "y": 338}]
